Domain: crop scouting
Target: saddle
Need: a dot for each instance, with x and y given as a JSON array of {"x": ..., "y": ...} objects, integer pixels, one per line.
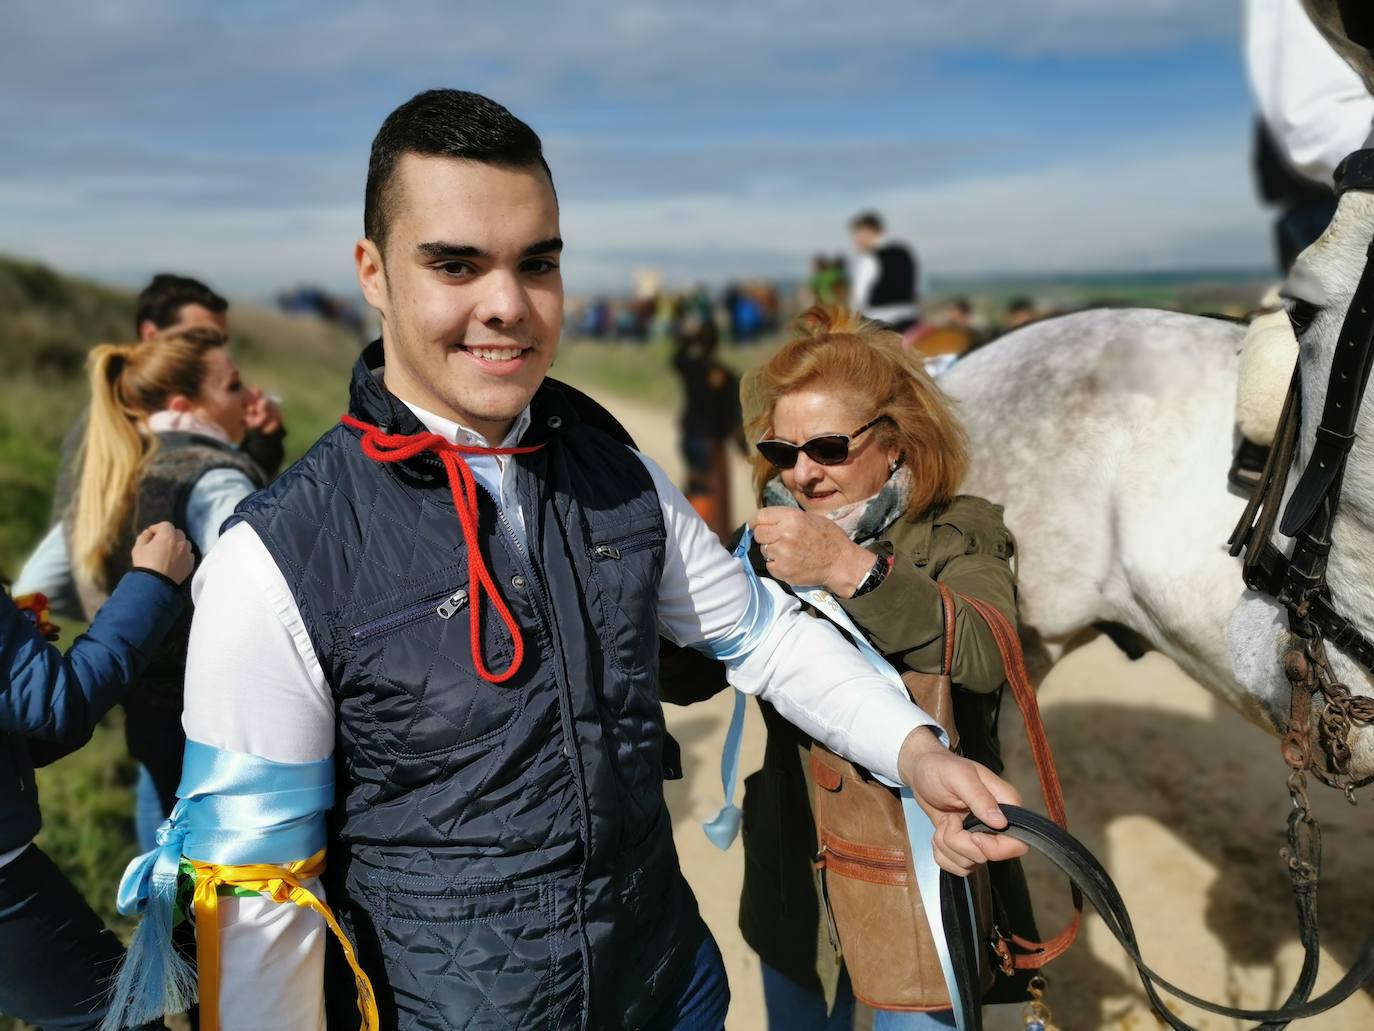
[{"x": 1267, "y": 357}]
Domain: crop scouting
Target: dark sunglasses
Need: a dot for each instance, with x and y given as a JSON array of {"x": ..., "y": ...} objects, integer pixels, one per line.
[{"x": 827, "y": 449}]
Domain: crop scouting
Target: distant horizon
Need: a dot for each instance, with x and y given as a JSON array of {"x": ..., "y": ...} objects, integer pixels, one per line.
[{"x": 999, "y": 281}]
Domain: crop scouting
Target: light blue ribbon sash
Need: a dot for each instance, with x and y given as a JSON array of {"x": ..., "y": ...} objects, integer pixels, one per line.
[
  {"x": 235, "y": 809},
  {"x": 723, "y": 828},
  {"x": 757, "y": 620}
]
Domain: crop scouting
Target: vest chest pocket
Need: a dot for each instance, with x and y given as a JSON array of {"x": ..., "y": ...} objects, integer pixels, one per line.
[
  {"x": 626, "y": 569},
  {"x": 408, "y": 672}
]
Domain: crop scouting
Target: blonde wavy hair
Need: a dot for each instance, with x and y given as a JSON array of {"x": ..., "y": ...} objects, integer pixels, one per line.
[
  {"x": 129, "y": 382},
  {"x": 837, "y": 350}
]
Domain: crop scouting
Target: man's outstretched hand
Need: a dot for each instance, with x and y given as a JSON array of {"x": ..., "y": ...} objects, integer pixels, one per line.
[{"x": 949, "y": 787}]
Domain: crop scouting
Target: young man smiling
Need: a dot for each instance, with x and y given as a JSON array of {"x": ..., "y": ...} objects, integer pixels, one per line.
[{"x": 455, "y": 600}]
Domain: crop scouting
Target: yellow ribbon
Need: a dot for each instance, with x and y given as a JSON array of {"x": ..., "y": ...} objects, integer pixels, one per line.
[{"x": 281, "y": 884}]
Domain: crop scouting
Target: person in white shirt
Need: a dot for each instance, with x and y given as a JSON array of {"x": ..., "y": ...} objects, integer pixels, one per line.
[
  {"x": 886, "y": 284},
  {"x": 482, "y": 689},
  {"x": 1313, "y": 111}
]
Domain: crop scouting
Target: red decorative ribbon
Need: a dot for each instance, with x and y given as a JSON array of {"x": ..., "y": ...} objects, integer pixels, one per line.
[
  {"x": 398, "y": 447},
  {"x": 35, "y": 608}
]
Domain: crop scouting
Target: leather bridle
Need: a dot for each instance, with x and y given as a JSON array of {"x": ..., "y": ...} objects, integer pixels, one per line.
[{"x": 1298, "y": 582}]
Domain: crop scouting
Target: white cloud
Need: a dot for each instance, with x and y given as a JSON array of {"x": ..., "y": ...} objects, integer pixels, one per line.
[{"x": 81, "y": 60}]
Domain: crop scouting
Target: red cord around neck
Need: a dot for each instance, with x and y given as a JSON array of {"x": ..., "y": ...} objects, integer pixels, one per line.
[{"x": 398, "y": 447}]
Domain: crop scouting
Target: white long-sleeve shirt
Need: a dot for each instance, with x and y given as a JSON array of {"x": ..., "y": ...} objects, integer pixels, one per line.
[
  {"x": 1316, "y": 108},
  {"x": 254, "y": 684}
]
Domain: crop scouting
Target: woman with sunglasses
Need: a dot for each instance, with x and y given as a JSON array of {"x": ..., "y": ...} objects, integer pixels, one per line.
[{"x": 859, "y": 459}]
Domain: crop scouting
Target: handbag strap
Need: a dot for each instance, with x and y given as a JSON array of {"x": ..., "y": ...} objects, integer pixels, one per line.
[
  {"x": 1037, "y": 953},
  {"x": 947, "y": 603}
]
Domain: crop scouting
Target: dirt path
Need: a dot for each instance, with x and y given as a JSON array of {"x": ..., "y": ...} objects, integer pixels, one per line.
[{"x": 1181, "y": 799}]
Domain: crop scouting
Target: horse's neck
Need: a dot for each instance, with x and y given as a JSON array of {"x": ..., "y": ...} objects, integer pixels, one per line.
[{"x": 1336, "y": 261}]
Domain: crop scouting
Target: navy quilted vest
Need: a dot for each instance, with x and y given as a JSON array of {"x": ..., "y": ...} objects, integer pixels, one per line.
[{"x": 501, "y": 854}]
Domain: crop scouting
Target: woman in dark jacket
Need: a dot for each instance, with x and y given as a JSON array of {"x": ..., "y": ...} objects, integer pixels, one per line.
[
  {"x": 859, "y": 458},
  {"x": 57, "y": 954}
]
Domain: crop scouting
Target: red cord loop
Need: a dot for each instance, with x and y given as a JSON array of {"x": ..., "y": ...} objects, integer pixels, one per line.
[{"x": 398, "y": 447}]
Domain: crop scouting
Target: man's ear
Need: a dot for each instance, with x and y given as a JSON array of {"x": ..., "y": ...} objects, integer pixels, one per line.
[
  {"x": 180, "y": 403},
  {"x": 147, "y": 330},
  {"x": 371, "y": 274}
]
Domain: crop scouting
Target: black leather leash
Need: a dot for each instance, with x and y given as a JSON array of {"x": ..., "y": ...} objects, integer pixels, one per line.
[{"x": 1089, "y": 876}]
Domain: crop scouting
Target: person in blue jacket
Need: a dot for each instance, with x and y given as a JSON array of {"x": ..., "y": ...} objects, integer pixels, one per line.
[{"x": 56, "y": 956}]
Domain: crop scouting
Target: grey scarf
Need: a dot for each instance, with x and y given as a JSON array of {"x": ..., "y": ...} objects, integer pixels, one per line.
[{"x": 863, "y": 521}]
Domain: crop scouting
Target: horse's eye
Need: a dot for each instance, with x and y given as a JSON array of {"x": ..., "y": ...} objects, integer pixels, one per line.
[{"x": 1300, "y": 314}]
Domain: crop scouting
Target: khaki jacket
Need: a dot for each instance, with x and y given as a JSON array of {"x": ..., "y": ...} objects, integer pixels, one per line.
[{"x": 963, "y": 544}]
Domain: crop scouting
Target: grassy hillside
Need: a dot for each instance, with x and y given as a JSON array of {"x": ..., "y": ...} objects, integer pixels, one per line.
[{"x": 47, "y": 324}]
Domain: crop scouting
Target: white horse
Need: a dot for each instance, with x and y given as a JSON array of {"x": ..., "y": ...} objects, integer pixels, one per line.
[{"x": 1108, "y": 435}]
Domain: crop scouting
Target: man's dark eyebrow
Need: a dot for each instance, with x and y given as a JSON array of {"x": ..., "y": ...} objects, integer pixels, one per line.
[
  {"x": 552, "y": 245},
  {"x": 440, "y": 251},
  {"x": 449, "y": 251}
]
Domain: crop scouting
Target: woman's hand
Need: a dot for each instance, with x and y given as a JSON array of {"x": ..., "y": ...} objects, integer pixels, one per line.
[
  {"x": 164, "y": 549},
  {"x": 949, "y": 787},
  {"x": 261, "y": 412},
  {"x": 810, "y": 551}
]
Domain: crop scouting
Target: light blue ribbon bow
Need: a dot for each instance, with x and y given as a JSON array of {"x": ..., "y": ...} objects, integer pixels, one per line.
[{"x": 235, "y": 809}]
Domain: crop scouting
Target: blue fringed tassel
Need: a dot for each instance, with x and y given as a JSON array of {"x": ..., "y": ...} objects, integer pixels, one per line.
[{"x": 154, "y": 977}]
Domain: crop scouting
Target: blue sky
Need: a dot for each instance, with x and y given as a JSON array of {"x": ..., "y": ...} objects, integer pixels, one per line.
[{"x": 706, "y": 140}]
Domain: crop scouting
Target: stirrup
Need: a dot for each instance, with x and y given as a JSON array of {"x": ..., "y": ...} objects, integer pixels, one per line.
[{"x": 1247, "y": 465}]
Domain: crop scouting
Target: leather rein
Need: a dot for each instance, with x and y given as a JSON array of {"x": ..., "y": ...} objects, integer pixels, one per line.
[{"x": 1315, "y": 742}]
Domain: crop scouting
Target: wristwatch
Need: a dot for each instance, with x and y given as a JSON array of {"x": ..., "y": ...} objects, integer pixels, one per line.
[{"x": 882, "y": 565}]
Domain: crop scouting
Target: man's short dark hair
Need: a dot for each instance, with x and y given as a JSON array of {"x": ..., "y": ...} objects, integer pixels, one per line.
[
  {"x": 162, "y": 300},
  {"x": 867, "y": 220},
  {"x": 444, "y": 123}
]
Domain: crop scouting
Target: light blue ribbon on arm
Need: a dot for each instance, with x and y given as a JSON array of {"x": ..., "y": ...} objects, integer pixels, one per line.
[
  {"x": 235, "y": 809},
  {"x": 723, "y": 828}
]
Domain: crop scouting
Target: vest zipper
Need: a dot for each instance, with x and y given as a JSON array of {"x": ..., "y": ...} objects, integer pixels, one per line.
[
  {"x": 635, "y": 542},
  {"x": 448, "y": 605},
  {"x": 544, "y": 604}
]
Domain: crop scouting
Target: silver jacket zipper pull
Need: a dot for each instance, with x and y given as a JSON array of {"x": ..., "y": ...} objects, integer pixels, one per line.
[
  {"x": 606, "y": 551},
  {"x": 454, "y": 603}
]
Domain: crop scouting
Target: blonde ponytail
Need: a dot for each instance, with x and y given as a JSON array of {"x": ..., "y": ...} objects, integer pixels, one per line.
[
  {"x": 112, "y": 455},
  {"x": 129, "y": 382}
]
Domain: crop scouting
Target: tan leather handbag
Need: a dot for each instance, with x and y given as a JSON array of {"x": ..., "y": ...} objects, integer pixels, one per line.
[{"x": 867, "y": 878}]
